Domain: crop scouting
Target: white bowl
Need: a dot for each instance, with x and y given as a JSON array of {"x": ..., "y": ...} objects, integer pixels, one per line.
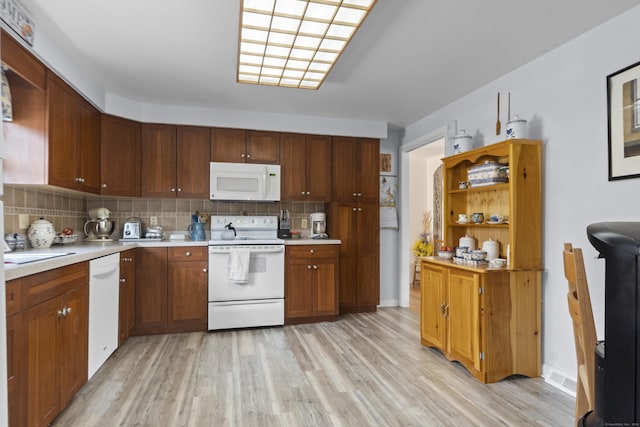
[
  {"x": 446, "y": 254},
  {"x": 478, "y": 255}
]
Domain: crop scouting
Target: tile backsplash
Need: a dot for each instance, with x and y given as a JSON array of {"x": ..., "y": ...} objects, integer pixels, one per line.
[{"x": 69, "y": 209}]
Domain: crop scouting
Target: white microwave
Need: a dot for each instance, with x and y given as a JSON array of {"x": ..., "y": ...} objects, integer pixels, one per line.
[{"x": 245, "y": 182}]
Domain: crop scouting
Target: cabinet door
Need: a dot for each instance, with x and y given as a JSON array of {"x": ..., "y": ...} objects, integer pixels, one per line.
[
  {"x": 263, "y": 147},
  {"x": 73, "y": 341},
  {"x": 344, "y": 171},
  {"x": 433, "y": 305},
  {"x": 42, "y": 387},
  {"x": 193, "y": 148},
  {"x": 16, "y": 374},
  {"x": 368, "y": 169},
  {"x": 119, "y": 157},
  {"x": 88, "y": 146},
  {"x": 318, "y": 161},
  {"x": 368, "y": 238},
  {"x": 158, "y": 169},
  {"x": 62, "y": 134},
  {"x": 343, "y": 227},
  {"x": 151, "y": 289},
  {"x": 293, "y": 167},
  {"x": 228, "y": 145},
  {"x": 187, "y": 296},
  {"x": 464, "y": 318},
  {"x": 127, "y": 295},
  {"x": 326, "y": 289},
  {"x": 299, "y": 288}
]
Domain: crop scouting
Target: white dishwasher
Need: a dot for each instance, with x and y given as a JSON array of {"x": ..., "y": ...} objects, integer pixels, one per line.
[{"x": 104, "y": 284}]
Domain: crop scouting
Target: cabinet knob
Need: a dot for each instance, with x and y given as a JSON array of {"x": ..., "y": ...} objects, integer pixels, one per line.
[
  {"x": 123, "y": 280},
  {"x": 302, "y": 193},
  {"x": 355, "y": 194},
  {"x": 173, "y": 190},
  {"x": 354, "y": 209},
  {"x": 359, "y": 194},
  {"x": 242, "y": 155},
  {"x": 61, "y": 312},
  {"x": 68, "y": 310},
  {"x": 248, "y": 156},
  {"x": 312, "y": 251},
  {"x": 315, "y": 267},
  {"x": 308, "y": 193},
  {"x": 104, "y": 185},
  {"x": 359, "y": 209},
  {"x": 187, "y": 254},
  {"x": 308, "y": 267},
  {"x": 204, "y": 270}
]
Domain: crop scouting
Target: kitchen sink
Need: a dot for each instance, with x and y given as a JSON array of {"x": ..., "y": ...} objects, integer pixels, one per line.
[{"x": 25, "y": 257}]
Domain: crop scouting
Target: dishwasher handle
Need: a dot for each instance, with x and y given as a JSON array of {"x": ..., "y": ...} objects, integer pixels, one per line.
[{"x": 255, "y": 249}]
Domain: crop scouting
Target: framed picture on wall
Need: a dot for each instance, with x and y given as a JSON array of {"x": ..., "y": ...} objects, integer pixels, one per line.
[{"x": 623, "y": 99}]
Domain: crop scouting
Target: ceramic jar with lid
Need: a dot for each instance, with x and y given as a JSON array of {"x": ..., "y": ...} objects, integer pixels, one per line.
[
  {"x": 462, "y": 142},
  {"x": 517, "y": 128},
  {"x": 491, "y": 247},
  {"x": 468, "y": 242},
  {"x": 41, "y": 233}
]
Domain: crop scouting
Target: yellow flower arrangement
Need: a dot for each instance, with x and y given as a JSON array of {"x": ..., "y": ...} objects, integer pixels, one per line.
[{"x": 423, "y": 247}]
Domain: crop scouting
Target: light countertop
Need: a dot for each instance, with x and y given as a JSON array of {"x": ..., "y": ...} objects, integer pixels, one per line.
[
  {"x": 308, "y": 241},
  {"x": 84, "y": 251}
]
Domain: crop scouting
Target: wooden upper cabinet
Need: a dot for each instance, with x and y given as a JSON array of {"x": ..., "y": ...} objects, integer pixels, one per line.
[
  {"x": 192, "y": 162},
  {"x": 74, "y": 138},
  {"x": 241, "y": 146},
  {"x": 22, "y": 62},
  {"x": 305, "y": 161},
  {"x": 158, "y": 168},
  {"x": 355, "y": 169},
  {"x": 119, "y": 156},
  {"x": 263, "y": 147}
]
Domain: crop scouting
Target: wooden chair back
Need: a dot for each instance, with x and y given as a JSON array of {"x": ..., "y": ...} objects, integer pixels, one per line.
[{"x": 584, "y": 329}]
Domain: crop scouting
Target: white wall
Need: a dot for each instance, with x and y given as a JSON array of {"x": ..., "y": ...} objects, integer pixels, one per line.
[{"x": 563, "y": 96}]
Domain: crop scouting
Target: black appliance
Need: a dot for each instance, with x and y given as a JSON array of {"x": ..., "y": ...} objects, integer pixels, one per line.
[{"x": 617, "y": 375}]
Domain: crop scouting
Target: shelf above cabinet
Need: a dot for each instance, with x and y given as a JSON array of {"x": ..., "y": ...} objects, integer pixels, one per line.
[{"x": 493, "y": 187}]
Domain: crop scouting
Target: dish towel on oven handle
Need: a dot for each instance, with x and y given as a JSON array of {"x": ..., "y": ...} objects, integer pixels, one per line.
[{"x": 239, "y": 259}]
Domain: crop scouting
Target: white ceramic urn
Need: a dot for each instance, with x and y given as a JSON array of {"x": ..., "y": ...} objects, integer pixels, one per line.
[
  {"x": 41, "y": 233},
  {"x": 491, "y": 247},
  {"x": 468, "y": 242}
]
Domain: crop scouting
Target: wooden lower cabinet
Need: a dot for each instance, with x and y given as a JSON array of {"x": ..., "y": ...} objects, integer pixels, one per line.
[
  {"x": 488, "y": 320},
  {"x": 187, "y": 289},
  {"x": 311, "y": 283},
  {"x": 127, "y": 295},
  {"x": 171, "y": 290},
  {"x": 47, "y": 344}
]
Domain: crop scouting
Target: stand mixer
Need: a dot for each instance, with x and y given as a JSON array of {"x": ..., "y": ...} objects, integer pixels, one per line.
[{"x": 99, "y": 227}]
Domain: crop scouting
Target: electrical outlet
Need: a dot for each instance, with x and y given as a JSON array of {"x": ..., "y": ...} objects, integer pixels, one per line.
[
  {"x": 23, "y": 221},
  {"x": 153, "y": 220},
  {"x": 303, "y": 223}
]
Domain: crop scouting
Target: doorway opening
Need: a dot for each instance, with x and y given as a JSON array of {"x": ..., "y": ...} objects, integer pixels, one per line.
[{"x": 419, "y": 161}]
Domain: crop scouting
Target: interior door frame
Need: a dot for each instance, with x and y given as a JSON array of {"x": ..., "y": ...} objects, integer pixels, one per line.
[{"x": 447, "y": 132}]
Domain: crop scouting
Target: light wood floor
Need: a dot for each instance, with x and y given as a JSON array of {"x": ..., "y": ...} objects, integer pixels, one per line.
[{"x": 364, "y": 369}]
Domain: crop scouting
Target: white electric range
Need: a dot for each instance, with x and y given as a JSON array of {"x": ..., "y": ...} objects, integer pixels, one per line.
[{"x": 246, "y": 272}]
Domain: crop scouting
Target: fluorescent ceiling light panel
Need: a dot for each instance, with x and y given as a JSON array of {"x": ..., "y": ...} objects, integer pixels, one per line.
[{"x": 295, "y": 43}]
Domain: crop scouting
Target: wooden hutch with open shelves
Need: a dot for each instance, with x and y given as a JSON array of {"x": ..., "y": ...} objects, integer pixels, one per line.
[{"x": 489, "y": 318}]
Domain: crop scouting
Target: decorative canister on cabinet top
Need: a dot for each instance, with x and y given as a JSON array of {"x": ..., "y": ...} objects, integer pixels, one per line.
[
  {"x": 516, "y": 128},
  {"x": 462, "y": 142},
  {"x": 41, "y": 233}
]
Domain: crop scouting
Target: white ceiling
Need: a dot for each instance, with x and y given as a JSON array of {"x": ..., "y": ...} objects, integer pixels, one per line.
[{"x": 409, "y": 59}]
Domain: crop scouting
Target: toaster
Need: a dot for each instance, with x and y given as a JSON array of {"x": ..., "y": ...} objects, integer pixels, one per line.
[{"x": 132, "y": 229}]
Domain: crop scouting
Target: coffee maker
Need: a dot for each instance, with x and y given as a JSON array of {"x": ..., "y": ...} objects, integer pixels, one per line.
[
  {"x": 99, "y": 227},
  {"x": 284, "y": 225},
  {"x": 318, "y": 226}
]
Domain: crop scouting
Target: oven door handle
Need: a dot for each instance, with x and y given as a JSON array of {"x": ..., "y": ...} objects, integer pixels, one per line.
[{"x": 254, "y": 250}]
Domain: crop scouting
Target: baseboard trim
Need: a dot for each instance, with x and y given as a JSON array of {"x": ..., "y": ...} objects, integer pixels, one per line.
[
  {"x": 389, "y": 303},
  {"x": 560, "y": 380}
]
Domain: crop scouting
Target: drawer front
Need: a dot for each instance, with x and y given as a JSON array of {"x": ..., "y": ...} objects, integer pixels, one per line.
[
  {"x": 13, "y": 297},
  {"x": 188, "y": 253},
  {"x": 312, "y": 251},
  {"x": 43, "y": 286}
]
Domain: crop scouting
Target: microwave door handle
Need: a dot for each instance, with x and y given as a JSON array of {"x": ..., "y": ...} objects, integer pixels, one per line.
[{"x": 264, "y": 183}]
